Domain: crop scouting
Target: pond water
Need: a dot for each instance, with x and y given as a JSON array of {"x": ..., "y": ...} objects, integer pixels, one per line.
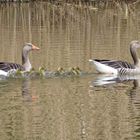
[{"x": 74, "y": 107}]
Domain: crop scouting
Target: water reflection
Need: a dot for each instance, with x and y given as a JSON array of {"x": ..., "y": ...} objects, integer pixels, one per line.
[
  {"x": 134, "y": 107},
  {"x": 68, "y": 36},
  {"x": 105, "y": 79},
  {"x": 65, "y": 109},
  {"x": 26, "y": 90},
  {"x": 130, "y": 85}
]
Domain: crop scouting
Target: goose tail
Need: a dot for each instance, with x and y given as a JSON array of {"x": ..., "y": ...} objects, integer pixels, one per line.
[
  {"x": 102, "y": 68},
  {"x": 90, "y": 60}
]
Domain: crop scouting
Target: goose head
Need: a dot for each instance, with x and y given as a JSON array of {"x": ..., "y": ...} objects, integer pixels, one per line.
[
  {"x": 29, "y": 46},
  {"x": 25, "y": 59},
  {"x": 134, "y": 44}
]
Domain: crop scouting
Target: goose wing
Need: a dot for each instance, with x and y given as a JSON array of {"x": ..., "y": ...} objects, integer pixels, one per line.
[
  {"x": 116, "y": 64},
  {"x": 5, "y": 66}
]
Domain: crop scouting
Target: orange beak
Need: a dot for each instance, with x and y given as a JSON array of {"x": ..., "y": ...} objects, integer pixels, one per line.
[{"x": 35, "y": 48}]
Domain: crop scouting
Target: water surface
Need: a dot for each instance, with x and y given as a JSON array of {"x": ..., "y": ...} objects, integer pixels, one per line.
[{"x": 71, "y": 107}]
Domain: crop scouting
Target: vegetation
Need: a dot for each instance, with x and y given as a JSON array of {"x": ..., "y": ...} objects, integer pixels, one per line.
[
  {"x": 75, "y": 1},
  {"x": 121, "y": 4}
]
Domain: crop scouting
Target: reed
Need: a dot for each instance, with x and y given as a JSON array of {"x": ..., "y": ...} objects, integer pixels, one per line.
[
  {"x": 76, "y": 1},
  {"x": 123, "y": 5},
  {"x": 17, "y": 0}
]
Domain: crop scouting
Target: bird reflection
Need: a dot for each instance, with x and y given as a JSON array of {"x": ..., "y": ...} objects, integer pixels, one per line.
[
  {"x": 105, "y": 79},
  {"x": 132, "y": 97},
  {"x": 25, "y": 90}
]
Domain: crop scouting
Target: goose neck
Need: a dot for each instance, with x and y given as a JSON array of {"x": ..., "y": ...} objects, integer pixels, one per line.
[
  {"x": 134, "y": 55},
  {"x": 25, "y": 61}
]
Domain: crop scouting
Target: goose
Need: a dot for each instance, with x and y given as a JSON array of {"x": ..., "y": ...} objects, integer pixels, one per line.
[
  {"x": 6, "y": 67},
  {"x": 119, "y": 67}
]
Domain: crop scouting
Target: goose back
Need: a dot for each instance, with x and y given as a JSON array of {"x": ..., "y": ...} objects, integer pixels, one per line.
[
  {"x": 117, "y": 64},
  {"x": 6, "y": 66}
]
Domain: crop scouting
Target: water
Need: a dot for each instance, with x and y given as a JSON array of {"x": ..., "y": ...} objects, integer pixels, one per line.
[{"x": 73, "y": 107}]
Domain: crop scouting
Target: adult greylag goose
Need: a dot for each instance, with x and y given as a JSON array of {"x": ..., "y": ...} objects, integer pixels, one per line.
[
  {"x": 5, "y": 67},
  {"x": 117, "y": 66}
]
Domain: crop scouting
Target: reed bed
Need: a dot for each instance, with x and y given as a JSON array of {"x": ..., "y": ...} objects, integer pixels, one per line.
[
  {"x": 123, "y": 5},
  {"x": 87, "y": 2},
  {"x": 126, "y": 5}
]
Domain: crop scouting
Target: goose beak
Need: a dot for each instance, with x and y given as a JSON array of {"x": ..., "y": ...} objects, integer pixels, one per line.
[{"x": 35, "y": 48}]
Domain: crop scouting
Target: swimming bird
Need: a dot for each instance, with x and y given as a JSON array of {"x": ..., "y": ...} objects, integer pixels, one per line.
[
  {"x": 5, "y": 67},
  {"x": 119, "y": 67}
]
